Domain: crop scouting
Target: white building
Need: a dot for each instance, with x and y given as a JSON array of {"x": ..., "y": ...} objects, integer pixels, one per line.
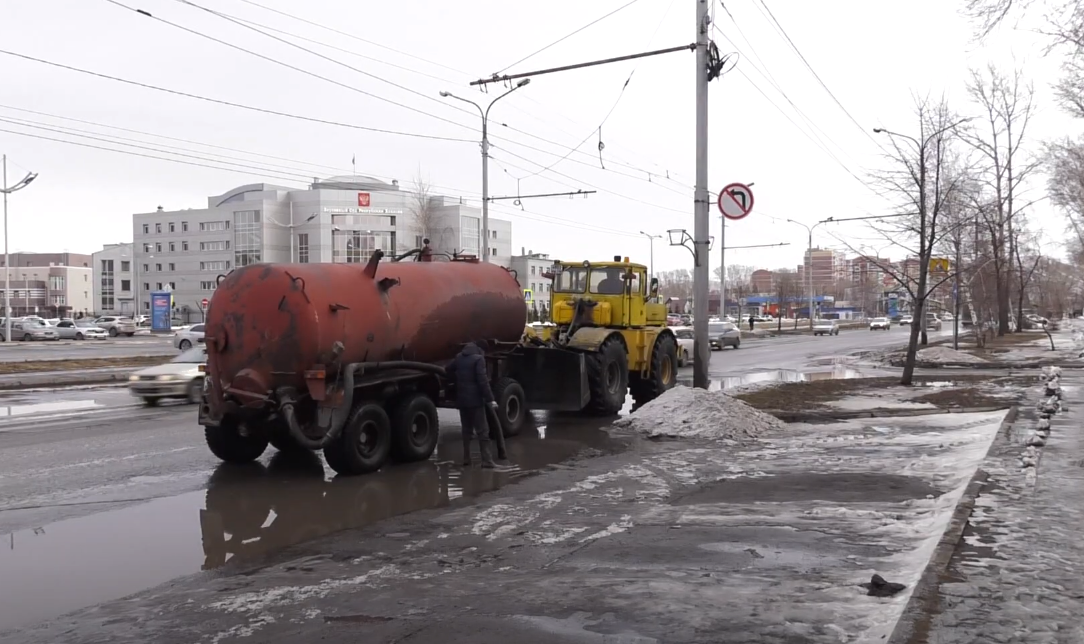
[
  {"x": 114, "y": 278},
  {"x": 529, "y": 267},
  {"x": 49, "y": 284},
  {"x": 341, "y": 219}
]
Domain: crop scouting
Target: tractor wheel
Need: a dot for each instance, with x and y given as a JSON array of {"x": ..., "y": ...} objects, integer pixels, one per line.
[
  {"x": 415, "y": 428},
  {"x": 663, "y": 372},
  {"x": 511, "y": 405},
  {"x": 365, "y": 443},
  {"x": 227, "y": 443},
  {"x": 608, "y": 377}
]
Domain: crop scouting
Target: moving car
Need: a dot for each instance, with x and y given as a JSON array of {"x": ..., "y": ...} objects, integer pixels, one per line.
[
  {"x": 188, "y": 337},
  {"x": 879, "y": 324},
  {"x": 825, "y": 327},
  {"x": 80, "y": 330},
  {"x": 723, "y": 334},
  {"x": 906, "y": 320},
  {"x": 933, "y": 323},
  {"x": 27, "y": 330},
  {"x": 181, "y": 377},
  {"x": 116, "y": 325},
  {"x": 686, "y": 343}
]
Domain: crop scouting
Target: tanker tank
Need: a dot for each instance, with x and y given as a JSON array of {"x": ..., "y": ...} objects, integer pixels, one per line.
[{"x": 293, "y": 347}]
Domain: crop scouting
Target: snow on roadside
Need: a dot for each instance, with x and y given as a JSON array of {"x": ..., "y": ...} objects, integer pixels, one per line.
[
  {"x": 684, "y": 412},
  {"x": 945, "y": 354}
]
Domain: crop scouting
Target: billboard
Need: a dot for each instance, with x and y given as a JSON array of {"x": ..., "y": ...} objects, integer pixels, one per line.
[{"x": 161, "y": 311}]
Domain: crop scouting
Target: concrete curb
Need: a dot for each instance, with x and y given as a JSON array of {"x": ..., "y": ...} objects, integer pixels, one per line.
[
  {"x": 33, "y": 380},
  {"x": 913, "y": 625},
  {"x": 880, "y": 412},
  {"x": 1016, "y": 364}
]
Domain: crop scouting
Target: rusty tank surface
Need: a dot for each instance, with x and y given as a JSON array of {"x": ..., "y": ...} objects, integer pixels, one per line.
[{"x": 318, "y": 355}]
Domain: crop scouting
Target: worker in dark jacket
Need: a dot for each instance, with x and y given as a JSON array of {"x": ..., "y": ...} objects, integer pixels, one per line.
[{"x": 472, "y": 395}]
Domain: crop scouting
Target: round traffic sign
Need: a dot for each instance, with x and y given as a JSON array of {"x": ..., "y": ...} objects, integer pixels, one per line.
[
  {"x": 736, "y": 201},
  {"x": 204, "y": 302}
]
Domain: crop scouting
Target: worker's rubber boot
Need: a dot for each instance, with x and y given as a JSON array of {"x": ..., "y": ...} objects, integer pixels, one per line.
[
  {"x": 466, "y": 452},
  {"x": 487, "y": 459}
]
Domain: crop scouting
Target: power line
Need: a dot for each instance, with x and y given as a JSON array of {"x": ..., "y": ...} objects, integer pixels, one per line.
[
  {"x": 232, "y": 104},
  {"x": 566, "y": 37}
]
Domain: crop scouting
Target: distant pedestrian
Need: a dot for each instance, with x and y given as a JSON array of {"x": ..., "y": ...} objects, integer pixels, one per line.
[
  {"x": 472, "y": 396},
  {"x": 751, "y": 322}
]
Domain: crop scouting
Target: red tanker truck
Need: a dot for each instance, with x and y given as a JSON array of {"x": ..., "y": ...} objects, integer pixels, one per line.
[{"x": 349, "y": 358}]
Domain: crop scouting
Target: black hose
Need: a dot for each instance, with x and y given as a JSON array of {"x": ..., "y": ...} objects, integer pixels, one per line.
[{"x": 369, "y": 367}]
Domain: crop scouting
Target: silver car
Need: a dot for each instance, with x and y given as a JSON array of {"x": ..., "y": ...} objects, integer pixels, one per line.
[
  {"x": 80, "y": 330},
  {"x": 181, "y": 377},
  {"x": 27, "y": 330},
  {"x": 188, "y": 337},
  {"x": 723, "y": 334},
  {"x": 825, "y": 327},
  {"x": 117, "y": 325}
]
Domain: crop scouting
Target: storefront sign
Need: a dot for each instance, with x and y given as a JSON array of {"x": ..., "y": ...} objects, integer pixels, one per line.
[{"x": 364, "y": 211}]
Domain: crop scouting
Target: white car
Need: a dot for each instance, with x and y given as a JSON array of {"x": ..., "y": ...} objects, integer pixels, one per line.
[
  {"x": 879, "y": 324},
  {"x": 181, "y": 377},
  {"x": 685, "y": 342},
  {"x": 906, "y": 320},
  {"x": 116, "y": 325},
  {"x": 80, "y": 330},
  {"x": 188, "y": 337}
]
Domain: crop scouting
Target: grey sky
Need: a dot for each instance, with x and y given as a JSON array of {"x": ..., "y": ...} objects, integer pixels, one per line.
[{"x": 872, "y": 55}]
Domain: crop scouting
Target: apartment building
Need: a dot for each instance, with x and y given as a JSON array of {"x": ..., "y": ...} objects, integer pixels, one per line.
[
  {"x": 114, "y": 280},
  {"x": 49, "y": 284},
  {"x": 529, "y": 267},
  {"x": 824, "y": 267},
  {"x": 340, "y": 219}
]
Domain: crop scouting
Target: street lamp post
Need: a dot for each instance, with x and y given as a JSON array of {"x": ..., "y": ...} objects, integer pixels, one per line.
[
  {"x": 6, "y": 189},
  {"x": 651, "y": 241},
  {"x": 809, "y": 254},
  {"x": 485, "y": 159},
  {"x": 292, "y": 228}
]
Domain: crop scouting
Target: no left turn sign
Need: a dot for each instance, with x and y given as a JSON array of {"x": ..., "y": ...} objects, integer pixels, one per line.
[{"x": 736, "y": 201}]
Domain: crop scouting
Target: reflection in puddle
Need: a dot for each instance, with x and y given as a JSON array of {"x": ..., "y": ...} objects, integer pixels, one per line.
[
  {"x": 778, "y": 375},
  {"x": 247, "y": 513},
  {"x": 43, "y": 408}
]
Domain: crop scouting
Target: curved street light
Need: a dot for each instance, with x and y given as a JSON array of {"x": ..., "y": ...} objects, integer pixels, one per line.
[
  {"x": 485, "y": 158},
  {"x": 6, "y": 190}
]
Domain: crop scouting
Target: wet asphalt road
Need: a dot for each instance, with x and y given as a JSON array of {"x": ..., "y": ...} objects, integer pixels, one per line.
[
  {"x": 113, "y": 497},
  {"x": 139, "y": 345}
]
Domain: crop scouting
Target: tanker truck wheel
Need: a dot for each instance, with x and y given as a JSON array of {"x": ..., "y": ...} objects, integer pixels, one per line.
[
  {"x": 415, "y": 428},
  {"x": 227, "y": 443},
  {"x": 663, "y": 372},
  {"x": 365, "y": 443},
  {"x": 608, "y": 377},
  {"x": 511, "y": 405}
]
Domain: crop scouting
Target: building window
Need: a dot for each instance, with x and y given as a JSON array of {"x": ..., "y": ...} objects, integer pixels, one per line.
[
  {"x": 158, "y": 286},
  {"x": 303, "y": 248},
  {"x": 146, "y": 229},
  {"x": 125, "y": 266},
  {"x": 173, "y": 286},
  {"x": 158, "y": 268},
  {"x": 493, "y": 234},
  {"x": 158, "y": 247},
  {"x": 184, "y": 246},
  {"x": 248, "y": 237},
  {"x": 56, "y": 282},
  {"x": 59, "y": 300},
  {"x": 184, "y": 226},
  {"x": 211, "y": 226},
  {"x": 158, "y": 229},
  {"x": 214, "y": 245},
  {"x": 470, "y": 235},
  {"x": 146, "y": 268},
  {"x": 172, "y": 267},
  {"x": 126, "y": 286},
  {"x": 146, "y": 306},
  {"x": 147, "y": 248},
  {"x": 172, "y": 227},
  {"x": 208, "y": 286},
  {"x": 357, "y": 246},
  {"x": 532, "y": 269},
  {"x": 172, "y": 247},
  {"x": 214, "y": 266},
  {"x": 108, "y": 293}
]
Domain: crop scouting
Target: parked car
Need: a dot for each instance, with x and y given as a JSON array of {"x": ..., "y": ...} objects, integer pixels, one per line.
[
  {"x": 673, "y": 320},
  {"x": 116, "y": 325},
  {"x": 686, "y": 342},
  {"x": 723, "y": 334},
  {"x": 686, "y": 320},
  {"x": 825, "y": 327},
  {"x": 27, "y": 330},
  {"x": 181, "y": 377},
  {"x": 80, "y": 330},
  {"x": 879, "y": 324},
  {"x": 933, "y": 323},
  {"x": 907, "y": 320},
  {"x": 188, "y": 337}
]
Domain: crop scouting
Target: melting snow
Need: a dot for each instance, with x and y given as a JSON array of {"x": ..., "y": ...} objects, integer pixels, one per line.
[
  {"x": 945, "y": 354},
  {"x": 683, "y": 412}
]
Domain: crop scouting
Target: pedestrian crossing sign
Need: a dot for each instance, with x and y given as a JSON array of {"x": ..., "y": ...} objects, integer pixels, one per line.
[{"x": 528, "y": 295}]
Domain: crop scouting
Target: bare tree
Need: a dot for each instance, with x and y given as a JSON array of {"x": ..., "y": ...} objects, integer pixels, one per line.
[
  {"x": 426, "y": 219},
  {"x": 677, "y": 283},
  {"x": 787, "y": 291},
  {"x": 1007, "y": 105}
]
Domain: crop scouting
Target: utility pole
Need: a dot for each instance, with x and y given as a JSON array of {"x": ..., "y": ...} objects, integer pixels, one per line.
[
  {"x": 956, "y": 300},
  {"x": 701, "y": 241},
  {"x": 651, "y": 240},
  {"x": 722, "y": 271},
  {"x": 485, "y": 159}
]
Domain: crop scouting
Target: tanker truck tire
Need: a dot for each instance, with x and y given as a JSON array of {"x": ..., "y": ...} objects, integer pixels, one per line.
[
  {"x": 663, "y": 372},
  {"x": 511, "y": 406},
  {"x": 608, "y": 377},
  {"x": 227, "y": 443},
  {"x": 364, "y": 444},
  {"x": 415, "y": 428}
]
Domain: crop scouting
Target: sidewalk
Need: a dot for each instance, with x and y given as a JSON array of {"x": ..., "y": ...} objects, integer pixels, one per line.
[
  {"x": 1017, "y": 574},
  {"x": 756, "y": 532}
]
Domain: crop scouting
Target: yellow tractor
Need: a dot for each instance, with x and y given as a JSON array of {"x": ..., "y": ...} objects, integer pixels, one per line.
[{"x": 607, "y": 311}]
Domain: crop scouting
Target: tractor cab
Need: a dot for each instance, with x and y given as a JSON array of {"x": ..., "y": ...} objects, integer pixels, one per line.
[{"x": 604, "y": 294}]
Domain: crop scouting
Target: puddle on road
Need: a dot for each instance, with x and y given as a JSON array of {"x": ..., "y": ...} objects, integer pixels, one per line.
[
  {"x": 247, "y": 513},
  {"x": 777, "y": 375}
]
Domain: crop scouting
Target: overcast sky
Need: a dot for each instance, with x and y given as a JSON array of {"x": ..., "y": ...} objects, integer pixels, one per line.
[{"x": 872, "y": 56}]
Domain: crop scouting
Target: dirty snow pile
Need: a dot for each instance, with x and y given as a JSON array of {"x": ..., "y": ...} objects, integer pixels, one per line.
[
  {"x": 945, "y": 354},
  {"x": 683, "y": 412}
]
